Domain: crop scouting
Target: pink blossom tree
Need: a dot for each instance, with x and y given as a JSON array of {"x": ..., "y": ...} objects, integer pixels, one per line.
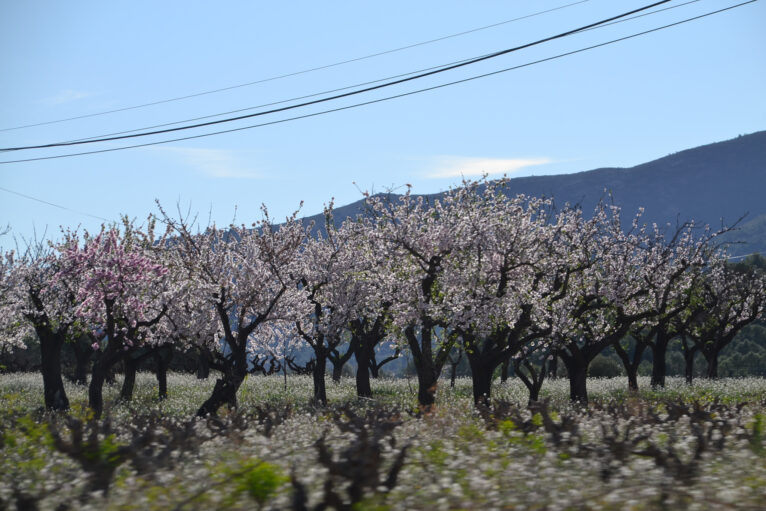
[{"x": 124, "y": 291}]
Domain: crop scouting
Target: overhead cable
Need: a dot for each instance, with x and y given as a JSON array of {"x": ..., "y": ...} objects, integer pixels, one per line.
[
  {"x": 52, "y": 204},
  {"x": 297, "y": 73},
  {"x": 298, "y": 98},
  {"x": 380, "y": 100},
  {"x": 345, "y": 94}
]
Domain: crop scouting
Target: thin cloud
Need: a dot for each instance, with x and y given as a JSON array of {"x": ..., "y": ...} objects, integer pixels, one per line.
[
  {"x": 459, "y": 166},
  {"x": 216, "y": 163},
  {"x": 65, "y": 96}
]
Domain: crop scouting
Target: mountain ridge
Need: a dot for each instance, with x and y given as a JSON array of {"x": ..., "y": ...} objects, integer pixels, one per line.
[{"x": 714, "y": 184}]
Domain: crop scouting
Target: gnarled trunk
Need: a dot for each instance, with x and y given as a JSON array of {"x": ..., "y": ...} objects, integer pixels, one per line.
[
  {"x": 577, "y": 372},
  {"x": 338, "y": 360},
  {"x": 363, "y": 357},
  {"x": 320, "y": 367},
  {"x": 226, "y": 387},
  {"x": 712, "y": 364},
  {"x": 162, "y": 358},
  {"x": 659, "y": 353},
  {"x": 102, "y": 368},
  {"x": 50, "y": 366},
  {"x": 505, "y": 368},
  {"x": 224, "y": 393},
  {"x": 630, "y": 365},
  {"x": 203, "y": 366},
  {"x": 427, "y": 368},
  {"x": 481, "y": 377},
  {"x": 82, "y": 352},
  {"x": 130, "y": 366}
]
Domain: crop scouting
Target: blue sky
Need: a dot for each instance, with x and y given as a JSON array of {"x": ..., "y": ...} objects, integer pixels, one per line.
[{"x": 618, "y": 105}]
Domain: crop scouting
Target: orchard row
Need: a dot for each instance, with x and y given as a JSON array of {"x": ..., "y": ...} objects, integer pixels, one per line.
[{"x": 506, "y": 279}]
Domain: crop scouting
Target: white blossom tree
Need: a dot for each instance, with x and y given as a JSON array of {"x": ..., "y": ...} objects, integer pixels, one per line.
[{"x": 242, "y": 274}]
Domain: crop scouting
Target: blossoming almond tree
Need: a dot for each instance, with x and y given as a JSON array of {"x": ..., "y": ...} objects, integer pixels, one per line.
[
  {"x": 369, "y": 326},
  {"x": 240, "y": 272},
  {"x": 497, "y": 281},
  {"x": 604, "y": 300},
  {"x": 325, "y": 275},
  {"x": 731, "y": 300},
  {"x": 671, "y": 268},
  {"x": 124, "y": 291},
  {"x": 417, "y": 239},
  {"x": 39, "y": 305},
  {"x": 13, "y": 328}
]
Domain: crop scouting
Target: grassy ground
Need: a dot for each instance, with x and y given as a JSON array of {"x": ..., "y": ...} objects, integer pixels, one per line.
[{"x": 698, "y": 447}]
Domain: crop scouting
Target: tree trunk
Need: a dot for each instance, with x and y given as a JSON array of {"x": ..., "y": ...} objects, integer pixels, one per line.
[
  {"x": 481, "y": 378},
  {"x": 50, "y": 366},
  {"x": 129, "y": 382},
  {"x": 578, "y": 391},
  {"x": 320, "y": 367},
  {"x": 427, "y": 383},
  {"x": 505, "y": 369},
  {"x": 362, "y": 356},
  {"x": 631, "y": 366},
  {"x": 689, "y": 367},
  {"x": 422, "y": 357},
  {"x": 712, "y": 364},
  {"x": 82, "y": 353},
  {"x": 337, "y": 372},
  {"x": 534, "y": 380},
  {"x": 577, "y": 372},
  {"x": 203, "y": 366},
  {"x": 452, "y": 375},
  {"x": 659, "y": 352},
  {"x": 163, "y": 357},
  {"x": 234, "y": 373},
  {"x": 338, "y": 360},
  {"x": 110, "y": 377},
  {"x": 553, "y": 367},
  {"x": 374, "y": 367},
  {"x": 102, "y": 368},
  {"x": 689, "y": 353},
  {"x": 96, "y": 389},
  {"x": 534, "y": 392},
  {"x": 224, "y": 393}
]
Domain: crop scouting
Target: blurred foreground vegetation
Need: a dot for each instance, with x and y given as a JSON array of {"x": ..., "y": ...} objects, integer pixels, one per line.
[{"x": 683, "y": 447}]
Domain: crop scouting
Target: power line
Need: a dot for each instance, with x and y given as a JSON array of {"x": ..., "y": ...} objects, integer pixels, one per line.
[
  {"x": 297, "y": 73},
  {"x": 345, "y": 94},
  {"x": 380, "y": 100},
  {"x": 343, "y": 88},
  {"x": 52, "y": 204}
]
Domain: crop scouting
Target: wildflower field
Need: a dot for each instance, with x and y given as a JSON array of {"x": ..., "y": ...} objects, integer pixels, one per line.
[{"x": 683, "y": 447}]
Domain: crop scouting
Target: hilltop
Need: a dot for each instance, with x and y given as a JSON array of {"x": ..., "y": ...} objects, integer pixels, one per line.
[{"x": 714, "y": 184}]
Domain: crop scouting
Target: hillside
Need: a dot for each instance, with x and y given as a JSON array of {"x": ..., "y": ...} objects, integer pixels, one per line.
[{"x": 712, "y": 184}]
